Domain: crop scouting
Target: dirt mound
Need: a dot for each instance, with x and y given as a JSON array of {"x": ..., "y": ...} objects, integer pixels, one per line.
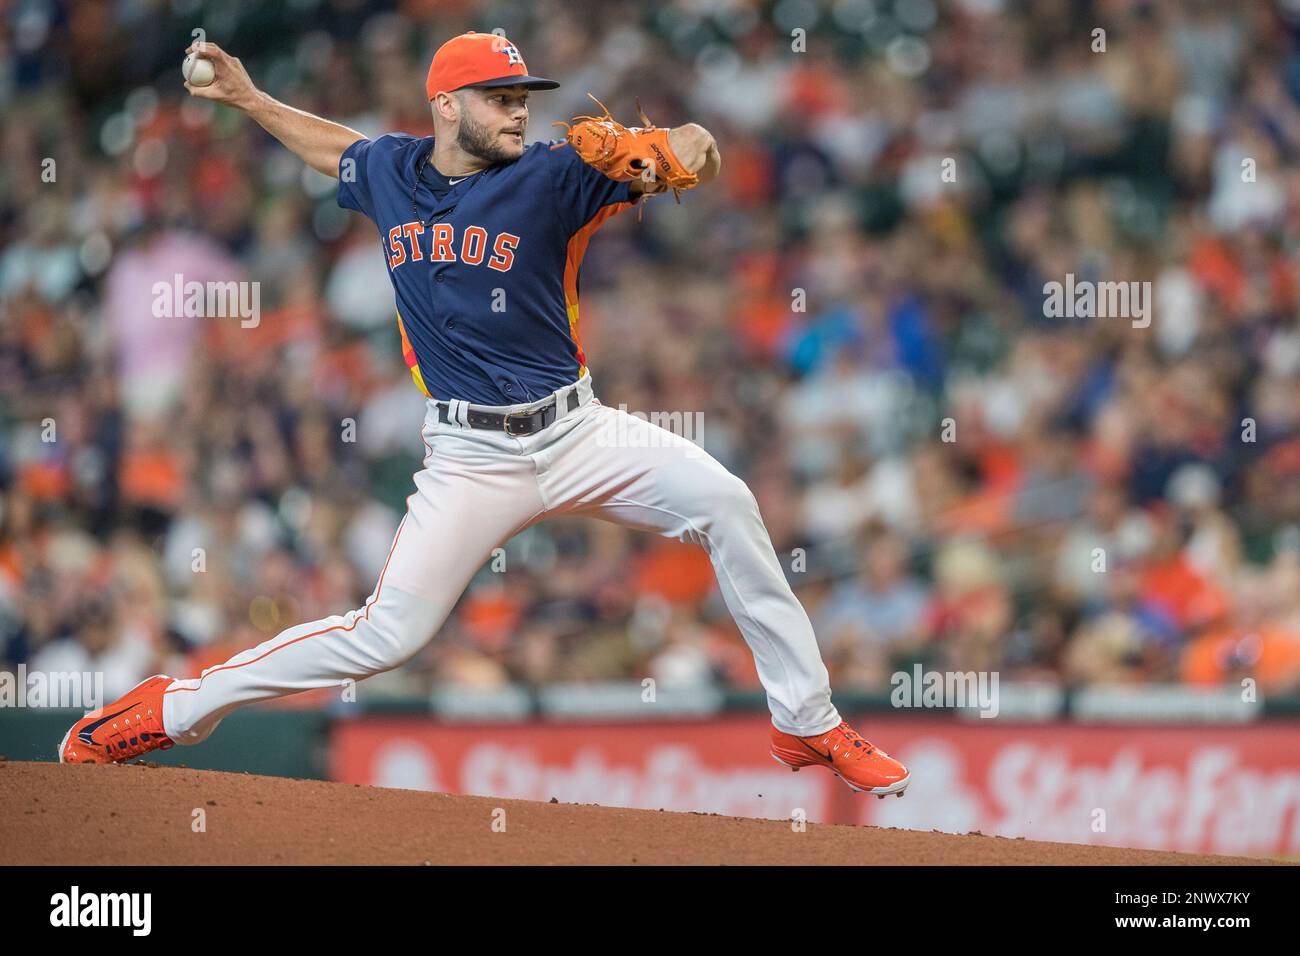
[{"x": 138, "y": 814}]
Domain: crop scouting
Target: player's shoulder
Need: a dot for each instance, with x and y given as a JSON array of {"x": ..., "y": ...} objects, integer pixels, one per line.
[
  {"x": 388, "y": 159},
  {"x": 400, "y": 145}
]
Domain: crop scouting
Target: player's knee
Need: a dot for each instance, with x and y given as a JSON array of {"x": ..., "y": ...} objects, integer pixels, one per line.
[
  {"x": 396, "y": 643},
  {"x": 399, "y": 626},
  {"x": 728, "y": 499}
]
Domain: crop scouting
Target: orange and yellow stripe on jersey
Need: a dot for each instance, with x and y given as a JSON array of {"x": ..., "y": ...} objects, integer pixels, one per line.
[
  {"x": 573, "y": 262},
  {"x": 408, "y": 354}
]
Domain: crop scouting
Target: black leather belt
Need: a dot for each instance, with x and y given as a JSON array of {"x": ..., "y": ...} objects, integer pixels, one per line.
[{"x": 520, "y": 423}]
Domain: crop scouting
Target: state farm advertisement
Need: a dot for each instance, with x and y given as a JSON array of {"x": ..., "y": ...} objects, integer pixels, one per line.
[{"x": 1232, "y": 790}]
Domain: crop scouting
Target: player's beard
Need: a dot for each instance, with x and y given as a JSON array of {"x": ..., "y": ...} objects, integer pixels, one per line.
[{"x": 480, "y": 143}]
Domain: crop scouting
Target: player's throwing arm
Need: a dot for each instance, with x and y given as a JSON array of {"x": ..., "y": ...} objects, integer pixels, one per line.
[{"x": 317, "y": 142}]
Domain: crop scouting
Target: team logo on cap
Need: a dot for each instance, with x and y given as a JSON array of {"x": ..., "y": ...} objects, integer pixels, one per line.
[{"x": 511, "y": 53}]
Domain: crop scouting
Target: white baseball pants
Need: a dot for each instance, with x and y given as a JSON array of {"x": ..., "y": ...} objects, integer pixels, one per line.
[{"x": 477, "y": 489}]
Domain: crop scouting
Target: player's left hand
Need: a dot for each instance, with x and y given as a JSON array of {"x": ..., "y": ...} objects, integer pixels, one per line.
[
  {"x": 695, "y": 147},
  {"x": 676, "y": 159}
]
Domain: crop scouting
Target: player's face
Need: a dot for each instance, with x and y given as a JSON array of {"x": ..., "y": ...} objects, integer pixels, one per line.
[{"x": 493, "y": 123}]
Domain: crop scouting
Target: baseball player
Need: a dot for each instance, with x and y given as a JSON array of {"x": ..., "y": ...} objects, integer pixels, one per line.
[{"x": 513, "y": 432}]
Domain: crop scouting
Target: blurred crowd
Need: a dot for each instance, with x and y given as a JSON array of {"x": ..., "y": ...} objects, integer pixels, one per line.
[{"x": 855, "y": 309}]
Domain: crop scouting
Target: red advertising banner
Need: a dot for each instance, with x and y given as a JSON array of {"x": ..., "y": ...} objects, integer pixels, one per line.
[{"x": 1200, "y": 789}]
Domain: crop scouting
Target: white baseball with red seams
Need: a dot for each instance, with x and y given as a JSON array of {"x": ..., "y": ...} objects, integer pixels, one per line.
[
  {"x": 197, "y": 70},
  {"x": 480, "y": 487}
]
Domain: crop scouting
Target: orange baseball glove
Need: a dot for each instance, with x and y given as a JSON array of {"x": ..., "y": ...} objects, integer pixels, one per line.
[{"x": 626, "y": 153}]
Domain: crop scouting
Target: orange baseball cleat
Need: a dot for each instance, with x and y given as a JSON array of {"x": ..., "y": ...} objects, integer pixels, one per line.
[
  {"x": 130, "y": 726},
  {"x": 864, "y": 767}
]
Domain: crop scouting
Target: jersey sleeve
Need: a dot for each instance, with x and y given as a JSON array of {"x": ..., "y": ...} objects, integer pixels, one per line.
[
  {"x": 366, "y": 164},
  {"x": 582, "y": 192}
]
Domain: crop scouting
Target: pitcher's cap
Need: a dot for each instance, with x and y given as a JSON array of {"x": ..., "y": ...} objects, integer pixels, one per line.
[{"x": 481, "y": 60}]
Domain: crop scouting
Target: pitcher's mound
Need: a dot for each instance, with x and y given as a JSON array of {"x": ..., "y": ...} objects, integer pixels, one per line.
[{"x": 138, "y": 814}]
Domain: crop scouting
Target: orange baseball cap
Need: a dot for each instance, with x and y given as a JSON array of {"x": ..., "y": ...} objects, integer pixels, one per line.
[{"x": 480, "y": 59}]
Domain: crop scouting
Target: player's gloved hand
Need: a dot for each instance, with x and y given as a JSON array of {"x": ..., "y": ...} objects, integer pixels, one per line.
[{"x": 626, "y": 153}]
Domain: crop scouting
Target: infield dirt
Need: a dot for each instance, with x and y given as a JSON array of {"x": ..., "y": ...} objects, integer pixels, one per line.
[{"x": 141, "y": 814}]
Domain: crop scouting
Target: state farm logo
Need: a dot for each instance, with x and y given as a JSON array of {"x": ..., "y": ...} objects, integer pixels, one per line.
[{"x": 1210, "y": 802}]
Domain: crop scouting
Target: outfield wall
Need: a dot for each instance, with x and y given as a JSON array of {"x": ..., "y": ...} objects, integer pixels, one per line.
[{"x": 1196, "y": 789}]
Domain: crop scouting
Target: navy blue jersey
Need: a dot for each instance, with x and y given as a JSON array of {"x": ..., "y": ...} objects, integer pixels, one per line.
[{"x": 484, "y": 267}]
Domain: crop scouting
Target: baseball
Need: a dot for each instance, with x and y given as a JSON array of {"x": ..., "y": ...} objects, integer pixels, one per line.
[{"x": 198, "y": 71}]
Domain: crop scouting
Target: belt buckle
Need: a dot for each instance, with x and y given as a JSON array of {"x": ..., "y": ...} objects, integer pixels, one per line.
[
  {"x": 507, "y": 427},
  {"x": 528, "y": 417}
]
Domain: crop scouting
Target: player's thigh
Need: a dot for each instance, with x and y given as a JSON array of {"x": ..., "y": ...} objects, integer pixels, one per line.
[
  {"x": 647, "y": 477},
  {"x": 467, "y": 501}
]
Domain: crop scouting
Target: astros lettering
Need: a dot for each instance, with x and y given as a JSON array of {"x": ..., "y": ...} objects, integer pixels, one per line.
[{"x": 405, "y": 244}]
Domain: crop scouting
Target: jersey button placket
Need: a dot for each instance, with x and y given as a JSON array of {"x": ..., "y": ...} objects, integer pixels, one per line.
[{"x": 439, "y": 277}]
